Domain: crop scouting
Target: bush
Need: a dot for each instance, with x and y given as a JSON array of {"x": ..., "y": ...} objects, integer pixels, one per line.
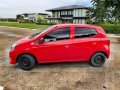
[
  {"x": 46, "y": 23},
  {"x": 111, "y": 28},
  {"x": 12, "y": 20},
  {"x": 8, "y": 19},
  {"x": 20, "y": 19},
  {"x": 40, "y": 20}
]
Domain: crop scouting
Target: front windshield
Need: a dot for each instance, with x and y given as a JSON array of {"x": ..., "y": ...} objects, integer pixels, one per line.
[{"x": 36, "y": 34}]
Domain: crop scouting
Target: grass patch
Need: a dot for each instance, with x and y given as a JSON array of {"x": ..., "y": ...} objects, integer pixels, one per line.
[
  {"x": 109, "y": 28},
  {"x": 24, "y": 25}
]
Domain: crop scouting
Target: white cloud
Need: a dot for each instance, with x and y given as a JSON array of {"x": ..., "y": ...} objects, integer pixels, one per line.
[{"x": 9, "y": 8}]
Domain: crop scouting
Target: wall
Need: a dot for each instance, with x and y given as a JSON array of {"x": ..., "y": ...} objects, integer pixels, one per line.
[
  {"x": 81, "y": 21},
  {"x": 79, "y": 13}
]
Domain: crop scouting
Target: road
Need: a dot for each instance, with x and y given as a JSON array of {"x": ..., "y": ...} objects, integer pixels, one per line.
[{"x": 59, "y": 76}]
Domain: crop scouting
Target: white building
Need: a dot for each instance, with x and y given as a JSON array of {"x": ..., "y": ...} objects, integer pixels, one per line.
[
  {"x": 32, "y": 17},
  {"x": 68, "y": 14}
]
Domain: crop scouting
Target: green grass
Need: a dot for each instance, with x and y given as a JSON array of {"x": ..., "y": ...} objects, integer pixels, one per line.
[
  {"x": 109, "y": 28},
  {"x": 24, "y": 25}
]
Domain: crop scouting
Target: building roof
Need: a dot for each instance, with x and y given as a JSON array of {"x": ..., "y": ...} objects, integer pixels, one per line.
[
  {"x": 43, "y": 14},
  {"x": 35, "y": 13},
  {"x": 69, "y": 7}
]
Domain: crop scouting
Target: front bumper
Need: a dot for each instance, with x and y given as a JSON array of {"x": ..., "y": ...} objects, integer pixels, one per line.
[{"x": 13, "y": 57}]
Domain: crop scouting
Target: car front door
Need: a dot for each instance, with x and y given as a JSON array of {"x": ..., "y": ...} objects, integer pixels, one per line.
[{"x": 56, "y": 46}]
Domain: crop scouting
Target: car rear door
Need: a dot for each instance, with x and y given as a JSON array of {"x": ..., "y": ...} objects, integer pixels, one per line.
[{"x": 82, "y": 44}]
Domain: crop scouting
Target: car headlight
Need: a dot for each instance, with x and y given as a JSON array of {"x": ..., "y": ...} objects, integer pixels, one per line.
[{"x": 13, "y": 46}]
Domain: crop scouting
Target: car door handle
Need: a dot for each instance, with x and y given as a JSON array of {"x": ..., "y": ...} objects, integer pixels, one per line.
[
  {"x": 66, "y": 46},
  {"x": 94, "y": 43}
]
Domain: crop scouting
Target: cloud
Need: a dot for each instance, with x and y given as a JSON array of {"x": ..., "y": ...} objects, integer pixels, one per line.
[
  {"x": 2, "y": 5},
  {"x": 9, "y": 8}
]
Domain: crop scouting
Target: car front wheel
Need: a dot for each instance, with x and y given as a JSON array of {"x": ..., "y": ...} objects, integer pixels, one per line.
[
  {"x": 26, "y": 62},
  {"x": 98, "y": 59}
]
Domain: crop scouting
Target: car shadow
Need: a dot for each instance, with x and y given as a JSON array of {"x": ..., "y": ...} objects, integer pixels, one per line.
[
  {"x": 63, "y": 65},
  {"x": 54, "y": 66}
]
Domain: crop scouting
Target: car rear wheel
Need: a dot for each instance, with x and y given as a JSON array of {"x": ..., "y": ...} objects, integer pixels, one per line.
[
  {"x": 98, "y": 59},
  {"x": 26, "y": 62}
]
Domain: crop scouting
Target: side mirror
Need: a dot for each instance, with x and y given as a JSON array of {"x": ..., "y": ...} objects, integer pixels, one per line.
[{"x": 41, "y": 40}]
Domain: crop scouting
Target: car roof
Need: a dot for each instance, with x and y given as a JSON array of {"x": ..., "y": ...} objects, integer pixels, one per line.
[{"x": 82, "y": 25}]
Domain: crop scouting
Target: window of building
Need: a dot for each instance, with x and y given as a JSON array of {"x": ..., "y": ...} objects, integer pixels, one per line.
[
  {"x": 74, "y": 13},
  {"x": 84, "y": 32},
  {"x": 53, "y": 14},
  {"x": 77, "y": 20},
  {"x": 64, "y": 12},
  {"x": 69, "y": 12}
]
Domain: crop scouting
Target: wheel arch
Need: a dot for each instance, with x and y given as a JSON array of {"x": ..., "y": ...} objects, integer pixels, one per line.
[
  {"x": 36, "y": 61},
  {"x": 100, "y": 52}
]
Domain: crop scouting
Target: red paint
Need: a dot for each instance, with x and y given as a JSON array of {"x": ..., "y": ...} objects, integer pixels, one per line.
[{"x": 80, "y": 49}]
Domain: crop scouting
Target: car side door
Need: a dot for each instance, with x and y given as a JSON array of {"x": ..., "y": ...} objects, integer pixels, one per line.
[
  {"x": 82, "y": 42},
  {"x": 56, "y": 45}
]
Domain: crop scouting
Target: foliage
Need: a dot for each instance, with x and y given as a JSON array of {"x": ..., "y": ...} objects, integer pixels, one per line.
[
  {"x": 97, "y": 12},
  {"x": 24, "y": 25},
  {"x": 41, "y": 20},
  {"x": 105, "y": 11},
  {"x": 8, "y": 19},
  {"x": 20, "y": 18},
  {"x": 111, "y": 28},
  {"x": 115, "y": 4},
  {"x": 11, "y": 20}
]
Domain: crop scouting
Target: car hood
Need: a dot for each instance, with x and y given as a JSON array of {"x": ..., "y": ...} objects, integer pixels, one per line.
[{"x": 24, "y": 40}]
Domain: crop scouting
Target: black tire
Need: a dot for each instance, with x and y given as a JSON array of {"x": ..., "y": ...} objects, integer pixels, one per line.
[
  {"x": 98, "y": 59},
  {"x": 26, "y": 62}
]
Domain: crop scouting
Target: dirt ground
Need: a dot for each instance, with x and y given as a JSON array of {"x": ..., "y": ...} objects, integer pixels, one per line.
[{"x": 59, "y": 76}]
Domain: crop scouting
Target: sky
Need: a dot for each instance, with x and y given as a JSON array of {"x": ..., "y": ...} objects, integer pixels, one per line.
[{"x": 10, "y": 8}]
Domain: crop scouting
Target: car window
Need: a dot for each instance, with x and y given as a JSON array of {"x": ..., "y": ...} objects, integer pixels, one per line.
[
  {"x": 59, "y": 34},
  {"x": 93, "y": 32},
  {"x": 41, "y": 32},
  {"x": 84, "y": 32}
]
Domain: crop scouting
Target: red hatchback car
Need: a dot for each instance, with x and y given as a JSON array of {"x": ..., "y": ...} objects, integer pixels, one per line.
[{"x": 62, "y": 43}]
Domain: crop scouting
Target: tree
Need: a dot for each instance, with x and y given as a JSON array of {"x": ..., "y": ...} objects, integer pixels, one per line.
[
  {"x": 98, "y": 12},
  {"x": 20, "y": 18},
  {"x": 40, "y": 20},
  {"x": 104, "y": 10},
  {"x": 17, "y": 16},
  {"x": 115, "y": 5}
]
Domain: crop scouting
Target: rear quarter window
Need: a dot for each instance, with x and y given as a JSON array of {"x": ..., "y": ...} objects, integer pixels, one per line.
[{"x": 85, "y": 32}]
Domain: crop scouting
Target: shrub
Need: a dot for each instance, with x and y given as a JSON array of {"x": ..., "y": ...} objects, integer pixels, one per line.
[
  {"x": 12, "y": 20},
  {"x": 111, "y": 28},
  {"x": 40, "y": 20},
  {"x": 8, "y": 19},
  {"x": 20, "y": 19}
]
